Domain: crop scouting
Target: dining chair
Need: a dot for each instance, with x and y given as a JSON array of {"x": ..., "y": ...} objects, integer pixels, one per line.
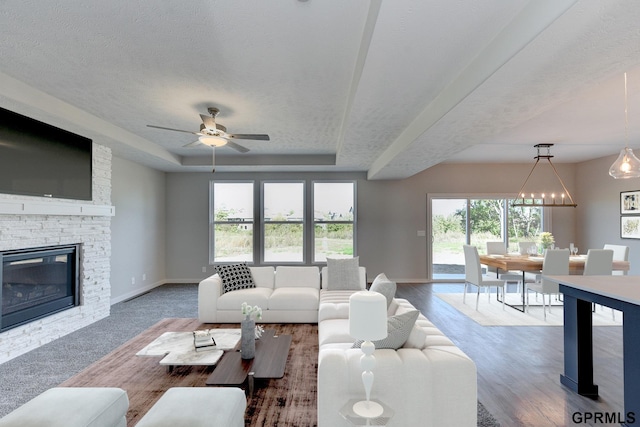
[
  {"x": 599, "y": 263},
  {"x": 473, "y": 275},
  {"x": 556, "y": 262},
  {"x": 524, "y": 247},
  {"x": 499, "y": 248},
  {"x": 620, "y": 253}
]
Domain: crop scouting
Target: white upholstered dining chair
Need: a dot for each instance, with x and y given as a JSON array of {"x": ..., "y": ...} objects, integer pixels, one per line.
[
  {"x": 620, "y": 253},
  {"x": 473, "y": 275},
  {"x": 599, "y": 263},
  {"x": 556, "y": 262},
  {"x": 523, "y": 247},
  {"x": 499, "y": 248}
]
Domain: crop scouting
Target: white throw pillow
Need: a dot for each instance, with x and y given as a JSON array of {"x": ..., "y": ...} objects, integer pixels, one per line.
[
  {"x": 398, "y": 330},
  {"x": 344, "y": 274},
  {"x": 384, "y": 286},
  {"x": 417, "y": 338}
]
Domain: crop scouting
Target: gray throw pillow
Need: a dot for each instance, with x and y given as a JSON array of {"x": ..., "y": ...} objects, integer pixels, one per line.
[
  {"x": 235, "y": 276},
  {"x": 398, "y": 330},
  {"x": 384, "y": 286},
  {"x": 344, "y": 274}
]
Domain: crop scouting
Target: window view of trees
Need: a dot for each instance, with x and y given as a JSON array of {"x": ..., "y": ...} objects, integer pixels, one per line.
[
  {"x": 283, "y": 213},
  {"x": 489, "y": 220},
  {"x": 284, "y": 227},
  {"x": 334, "y": 219},
  {"x": 232, "y": 232}
]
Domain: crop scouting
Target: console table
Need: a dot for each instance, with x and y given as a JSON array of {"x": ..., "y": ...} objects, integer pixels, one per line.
[{"x": 619, "y": 292}]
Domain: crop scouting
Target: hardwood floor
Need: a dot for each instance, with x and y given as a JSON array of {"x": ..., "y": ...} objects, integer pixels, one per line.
[{"x": 519, "y": 367}]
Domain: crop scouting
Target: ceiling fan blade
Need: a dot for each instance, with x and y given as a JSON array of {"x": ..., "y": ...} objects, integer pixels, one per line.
[
  {"x": 177, "y": 130},
  {"x": 237, "y": 147},
  {"x": 248, "y": 136},
  {"x": 209, "y": 122},
  {"x": 193, "y": 144}
]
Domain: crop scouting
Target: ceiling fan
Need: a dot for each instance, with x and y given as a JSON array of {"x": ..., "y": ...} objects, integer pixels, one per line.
[{"x": 215, "y": 135}]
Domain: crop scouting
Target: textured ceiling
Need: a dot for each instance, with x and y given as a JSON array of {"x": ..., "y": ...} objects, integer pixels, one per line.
[{"x": 386, "y": 87}]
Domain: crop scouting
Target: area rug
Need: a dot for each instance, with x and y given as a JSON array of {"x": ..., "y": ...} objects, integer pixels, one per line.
[
  {"x": 286, "y": 402},
  {"x": 490, "y": 312}
]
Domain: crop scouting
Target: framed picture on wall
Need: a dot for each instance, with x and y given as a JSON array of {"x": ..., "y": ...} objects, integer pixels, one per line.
[
  {"x": 630, "y": 202},
  {"x": 630, "y": 227}
]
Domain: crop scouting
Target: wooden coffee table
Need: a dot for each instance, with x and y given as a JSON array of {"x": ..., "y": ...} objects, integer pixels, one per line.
[{"x": 271, "y": 356}]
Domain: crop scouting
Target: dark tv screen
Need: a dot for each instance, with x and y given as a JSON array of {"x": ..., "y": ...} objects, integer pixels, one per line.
[{"x": 37, "y": 159}]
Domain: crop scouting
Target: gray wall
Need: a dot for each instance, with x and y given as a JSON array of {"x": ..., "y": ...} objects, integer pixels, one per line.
[
  {"x": 390, "y": 213},
  {"x": 138, "y": 229},
  {"x": 599, "y": 213}
]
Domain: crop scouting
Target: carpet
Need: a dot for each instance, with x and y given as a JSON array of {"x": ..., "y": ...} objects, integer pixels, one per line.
[
  {"x": 490, "y": 311},
  {"x": 287, "y": 402}
]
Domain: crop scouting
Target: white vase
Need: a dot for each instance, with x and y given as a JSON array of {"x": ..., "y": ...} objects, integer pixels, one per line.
[{"x": 248, "y": 339}]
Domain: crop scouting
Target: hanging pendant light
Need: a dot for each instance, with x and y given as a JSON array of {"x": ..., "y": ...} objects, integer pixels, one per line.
[
  {"x": 560, "y": 199},
  {"x": 627, "y": 164}
]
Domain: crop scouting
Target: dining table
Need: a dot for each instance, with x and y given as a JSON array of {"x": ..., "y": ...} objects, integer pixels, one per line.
[{"x": 533, "y": 264}]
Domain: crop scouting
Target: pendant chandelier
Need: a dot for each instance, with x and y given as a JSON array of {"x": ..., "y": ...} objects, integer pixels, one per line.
[
  {"x": 627, "y": 164},
  {"x": 527, "y": 198}
]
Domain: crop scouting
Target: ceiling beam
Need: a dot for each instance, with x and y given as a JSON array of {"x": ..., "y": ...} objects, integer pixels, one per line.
[{"x": 532, "y": 20}]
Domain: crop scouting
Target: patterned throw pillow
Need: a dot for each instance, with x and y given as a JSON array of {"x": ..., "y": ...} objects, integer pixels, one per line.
[
  {"x": 235, "y": 276},
  {"x": 398, "y": 330}
]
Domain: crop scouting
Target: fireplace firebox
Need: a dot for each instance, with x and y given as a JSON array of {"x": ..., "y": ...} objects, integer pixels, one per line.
[{"x": 38, "y": 282}]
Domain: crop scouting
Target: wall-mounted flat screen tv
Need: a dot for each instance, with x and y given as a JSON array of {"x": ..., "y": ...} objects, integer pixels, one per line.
[{"x": 37, "y": 159}]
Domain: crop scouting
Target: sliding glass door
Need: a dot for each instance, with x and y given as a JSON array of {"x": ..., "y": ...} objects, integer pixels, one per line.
[{"x": 456, "y": 221}]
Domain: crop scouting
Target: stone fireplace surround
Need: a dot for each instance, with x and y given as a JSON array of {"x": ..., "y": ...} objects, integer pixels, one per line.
[{"x": 27, "y": 222}]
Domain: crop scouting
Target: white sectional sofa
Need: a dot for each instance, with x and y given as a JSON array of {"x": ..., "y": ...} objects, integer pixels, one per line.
[
  {"x": 286, "y": 294},
  {"x": 428, "y": 382}
]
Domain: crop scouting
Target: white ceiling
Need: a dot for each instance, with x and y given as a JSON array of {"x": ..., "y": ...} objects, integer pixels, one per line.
[{"x": 387, "y": 87}]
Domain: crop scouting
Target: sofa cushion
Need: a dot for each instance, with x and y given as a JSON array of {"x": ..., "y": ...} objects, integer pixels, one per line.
[
  {"x": 301, "y": 277},
  {"x": 344, "y": 273},
  {"x": 332, "y": 331},
  {"x": 72, "y": 407},
  {"x": 384, "y": 286},
  {"x": 294, "y": 299},
  {"x": 334, "y": 305},
  {"x": 398, "y": 330},
  {"x": 263, "y": 277},
  {"x": 235, "y": 276},
  {"x": 254, "y": 296}
]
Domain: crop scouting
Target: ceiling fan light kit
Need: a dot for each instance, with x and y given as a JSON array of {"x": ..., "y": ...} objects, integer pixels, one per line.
[
  {"x": 627, "y": 164},
  {"x": 526, "y": 198},
  {"x": 215, "y": 135},
  {"x": 212, "y": 141}
]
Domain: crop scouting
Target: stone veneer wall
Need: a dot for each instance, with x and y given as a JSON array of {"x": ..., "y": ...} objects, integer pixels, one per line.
[{"x": 92, "y": 231}]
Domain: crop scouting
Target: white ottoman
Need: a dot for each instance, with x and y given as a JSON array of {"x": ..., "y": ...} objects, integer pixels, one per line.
[
  {"x": 197, "y": 407},
  {"x": 72, "y": 407}
]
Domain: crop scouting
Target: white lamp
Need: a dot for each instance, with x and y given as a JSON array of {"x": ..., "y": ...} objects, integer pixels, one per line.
[{"x": 368, "y": 322}]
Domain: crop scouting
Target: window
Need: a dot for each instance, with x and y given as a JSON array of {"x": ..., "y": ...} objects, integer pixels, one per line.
[
  {"x": 283, "y": 215},
  {"x": 333, "y": 220},
  {"x": 456, "y": 221},
  {"x": 231, "y": 230},
  {"x": 281, "y": 222}
]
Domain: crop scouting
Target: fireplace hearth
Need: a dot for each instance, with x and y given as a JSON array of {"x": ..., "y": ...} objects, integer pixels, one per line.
[{"x": 38, "y": 282}]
